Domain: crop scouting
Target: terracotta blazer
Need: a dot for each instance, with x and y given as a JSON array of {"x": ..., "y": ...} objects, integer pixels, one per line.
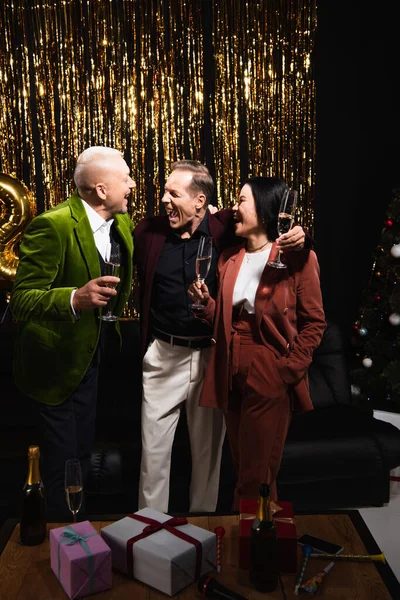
[{"x": 290, "y": 320}]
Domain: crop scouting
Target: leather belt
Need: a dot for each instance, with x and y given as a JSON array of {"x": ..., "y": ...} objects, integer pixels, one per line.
[{"x": 188, "y": 342}]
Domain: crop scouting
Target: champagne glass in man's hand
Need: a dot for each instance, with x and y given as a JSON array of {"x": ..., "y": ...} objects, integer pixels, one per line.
[
  {"x": 286, "y": 215},
  {"x": 112, "y": 263},
  {"x": 203, "y": 263},
  {"x": 73, "y": 486}
]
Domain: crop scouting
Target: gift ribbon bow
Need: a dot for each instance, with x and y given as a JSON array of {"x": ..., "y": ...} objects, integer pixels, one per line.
[
  {"x": 274, "y": 509},
  {"x": 71, "y": 537},
  {"x": 152, "y": 527}
]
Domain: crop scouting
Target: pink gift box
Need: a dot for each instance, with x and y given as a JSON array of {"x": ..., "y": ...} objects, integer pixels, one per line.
[{"x": 80, "y": 559}]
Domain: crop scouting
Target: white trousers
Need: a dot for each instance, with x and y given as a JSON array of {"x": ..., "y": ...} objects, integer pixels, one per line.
[{"x": 171, "y": 376}]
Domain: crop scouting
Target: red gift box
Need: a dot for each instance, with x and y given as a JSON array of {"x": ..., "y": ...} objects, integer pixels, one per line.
[{"x": 287, "y": 535}]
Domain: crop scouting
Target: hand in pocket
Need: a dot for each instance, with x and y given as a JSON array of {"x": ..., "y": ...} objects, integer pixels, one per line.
[{"x": 263, "y": 376}]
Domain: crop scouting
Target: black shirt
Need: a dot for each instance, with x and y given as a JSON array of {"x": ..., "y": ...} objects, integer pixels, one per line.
[{"x": 176, "y": 269}]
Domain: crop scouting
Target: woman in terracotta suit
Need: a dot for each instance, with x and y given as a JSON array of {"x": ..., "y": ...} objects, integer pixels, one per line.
[{"x": 267, "y": 323}]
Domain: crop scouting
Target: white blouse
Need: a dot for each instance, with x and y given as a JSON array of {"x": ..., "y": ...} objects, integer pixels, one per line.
[{"x": 249, "y": 278}]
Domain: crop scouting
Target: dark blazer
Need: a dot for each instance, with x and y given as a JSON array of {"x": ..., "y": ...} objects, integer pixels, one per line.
[
  {"x": 149, "y": 236},
  {"x": 290, "y": 321}
]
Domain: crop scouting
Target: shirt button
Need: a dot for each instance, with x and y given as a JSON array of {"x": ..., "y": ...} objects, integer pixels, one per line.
[{"x": 90, "y": 349}]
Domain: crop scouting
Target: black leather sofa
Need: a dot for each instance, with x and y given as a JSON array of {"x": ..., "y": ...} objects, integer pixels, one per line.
[{"x": 337, "y": 456}]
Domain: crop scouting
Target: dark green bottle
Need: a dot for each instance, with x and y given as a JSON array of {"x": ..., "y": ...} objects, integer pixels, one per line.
[
  {"x": 33, "y": 518},
  {"x": 264, "y": 555}
]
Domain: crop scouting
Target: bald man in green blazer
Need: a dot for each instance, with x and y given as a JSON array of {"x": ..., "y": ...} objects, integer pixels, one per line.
[{"x": 57, "y": 298}]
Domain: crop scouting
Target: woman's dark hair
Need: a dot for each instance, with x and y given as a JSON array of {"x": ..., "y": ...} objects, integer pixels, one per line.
[{"x": 268, "y": 193}]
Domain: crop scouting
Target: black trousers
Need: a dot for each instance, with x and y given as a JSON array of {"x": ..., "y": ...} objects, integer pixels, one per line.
[{"x": 67, "y": 431}]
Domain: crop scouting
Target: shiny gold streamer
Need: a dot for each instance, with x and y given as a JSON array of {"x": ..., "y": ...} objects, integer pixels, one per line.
[
  {"x": 265, "y": 95},
  {"x": 131, "y": 74}
]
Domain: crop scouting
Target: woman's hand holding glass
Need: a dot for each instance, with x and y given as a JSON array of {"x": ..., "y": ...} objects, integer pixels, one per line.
[
  {"x": 287, "y": 211},
  {"x": 292, "y": 240},
  {"x": 203, "y": 263},
  {"x": 199, "y": 294}
]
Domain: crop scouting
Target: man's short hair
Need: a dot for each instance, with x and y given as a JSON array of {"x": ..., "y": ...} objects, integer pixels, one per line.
[
  {"x": 202, "y": 182},
  {"x": 94, "y": 154}
]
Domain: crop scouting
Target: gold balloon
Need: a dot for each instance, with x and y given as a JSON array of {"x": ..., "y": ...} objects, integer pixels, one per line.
[{"x": 16, "y": 210}]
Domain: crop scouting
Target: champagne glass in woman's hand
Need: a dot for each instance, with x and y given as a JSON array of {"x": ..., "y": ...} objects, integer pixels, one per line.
[
  {"x": 203, "y": 263},
  {"x": 73, "y": 486},
  {"x": 286, "y": 214},
  {"x": 112, "y": 261}
]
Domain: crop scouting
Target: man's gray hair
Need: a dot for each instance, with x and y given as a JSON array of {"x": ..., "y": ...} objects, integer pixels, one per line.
[{"x": 202, "y": 182}]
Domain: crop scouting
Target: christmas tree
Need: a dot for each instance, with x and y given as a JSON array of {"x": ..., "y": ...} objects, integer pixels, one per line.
[{"x": 375, "y": 375}]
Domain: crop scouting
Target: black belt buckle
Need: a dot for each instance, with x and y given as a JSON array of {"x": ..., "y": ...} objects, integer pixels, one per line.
[
  {"x": 176, "y": 341},
  {"x": 199, "y": 344},
  {"x": 196, "y": 344}
]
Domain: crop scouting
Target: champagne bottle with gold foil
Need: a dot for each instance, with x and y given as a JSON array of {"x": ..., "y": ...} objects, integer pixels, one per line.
[
  {"x": 264, "y": 556},
  {"x": 33, "y": 518}
]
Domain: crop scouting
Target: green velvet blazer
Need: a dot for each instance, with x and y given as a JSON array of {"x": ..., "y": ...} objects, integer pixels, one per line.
[{"x": 58, "y": 254}]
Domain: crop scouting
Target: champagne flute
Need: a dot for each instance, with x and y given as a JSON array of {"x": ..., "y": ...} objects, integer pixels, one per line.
[
  {"x": 112, "y": 262},
  {"x": 73, "y": 486},
  {"x": 286, "y": 214},
  {"x": 203, "y": 263}
]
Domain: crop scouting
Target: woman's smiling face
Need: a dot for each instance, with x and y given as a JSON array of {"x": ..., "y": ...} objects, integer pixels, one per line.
[{"x": 245, "y": 214}]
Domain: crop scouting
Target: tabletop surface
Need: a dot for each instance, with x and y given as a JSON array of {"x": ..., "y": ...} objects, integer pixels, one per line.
[{"x": 25, "y": 571}]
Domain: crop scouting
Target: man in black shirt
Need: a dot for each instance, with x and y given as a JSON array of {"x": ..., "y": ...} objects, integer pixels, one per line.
[{"x": 176, "y": 345}]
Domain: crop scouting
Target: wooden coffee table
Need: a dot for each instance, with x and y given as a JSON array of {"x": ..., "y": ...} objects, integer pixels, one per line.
[{"x": 25, "y": 572}]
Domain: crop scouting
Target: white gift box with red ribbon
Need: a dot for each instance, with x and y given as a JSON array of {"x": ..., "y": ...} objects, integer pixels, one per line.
[{"x": 166, "y": 553}]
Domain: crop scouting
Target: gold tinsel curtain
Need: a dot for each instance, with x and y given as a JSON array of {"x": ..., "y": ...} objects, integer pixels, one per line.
[{"x": 228, "y": 83}]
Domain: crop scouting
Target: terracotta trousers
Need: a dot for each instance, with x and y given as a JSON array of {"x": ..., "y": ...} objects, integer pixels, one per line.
[{"x": 259, "y": 411}]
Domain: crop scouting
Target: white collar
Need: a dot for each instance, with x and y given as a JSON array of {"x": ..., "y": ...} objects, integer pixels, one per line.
[{"x": 95, "y": 220}]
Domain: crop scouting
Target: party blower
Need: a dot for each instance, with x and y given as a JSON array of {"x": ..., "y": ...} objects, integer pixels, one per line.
[
  {"x": 307, "y": 549},
  {"x": 367, "y": 557},
  {"x": 311, "y": 585}
]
